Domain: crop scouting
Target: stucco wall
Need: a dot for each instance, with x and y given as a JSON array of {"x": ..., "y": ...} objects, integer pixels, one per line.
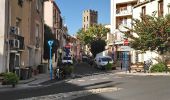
[{"x": 2, "y": 33}]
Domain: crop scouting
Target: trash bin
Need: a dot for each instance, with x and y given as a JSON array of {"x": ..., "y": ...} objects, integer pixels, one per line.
[
  {"x": 29, "y": 72},
  {"x": 17, "y": 71},
  {"x": 24, "y": 73},
  {"x": 40, "y": 68}
]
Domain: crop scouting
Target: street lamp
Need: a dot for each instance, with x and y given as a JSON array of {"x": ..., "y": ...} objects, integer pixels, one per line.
[{"x": 50, "y": 43}]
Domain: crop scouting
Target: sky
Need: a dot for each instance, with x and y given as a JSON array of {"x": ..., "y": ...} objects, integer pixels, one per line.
[{"x": 71, "y": 11}]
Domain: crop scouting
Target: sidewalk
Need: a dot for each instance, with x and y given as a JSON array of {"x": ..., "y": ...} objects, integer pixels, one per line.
[
  {"x": 123, "y": 72},
  {"x": 23, "y": 84}
]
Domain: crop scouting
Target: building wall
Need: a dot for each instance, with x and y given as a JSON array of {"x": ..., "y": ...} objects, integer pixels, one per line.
[
  {"x": 37, "y": 33},
  {"x": 21, "y": 13},
  {"x": 48, "y": 13},
  {"x": 2, "y": 35},
  {"x": 150, "y": 8}
]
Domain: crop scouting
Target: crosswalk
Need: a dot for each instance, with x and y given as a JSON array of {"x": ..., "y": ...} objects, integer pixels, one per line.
[{"x": 97, "y": 78}]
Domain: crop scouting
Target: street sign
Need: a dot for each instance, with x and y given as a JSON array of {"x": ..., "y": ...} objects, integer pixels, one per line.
[
  {"x": 67, "y": 46},
  {"x": 126, "y": 42},
  {"x": 124, "y": 48}
]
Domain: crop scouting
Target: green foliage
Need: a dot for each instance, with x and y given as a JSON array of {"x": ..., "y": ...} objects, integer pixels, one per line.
[
  {"x": 109, "y": 66},
  {"x": 97, "y": 46},
  {"x": 94, "y": 36},
  {"x": 10, "y": 78},
  {"x": 68, "y": 69},
  {"x": 151, "y": 33},
  {"x": 48, "y": 35},
  {"x": 160, "y": 67}
]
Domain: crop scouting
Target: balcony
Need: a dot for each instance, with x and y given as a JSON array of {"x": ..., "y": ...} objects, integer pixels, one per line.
[
  {"x": 125, "y": 1},
  {"x": 17, "y": 43},
  {"x": 121, "y": 13},
  {"x": 122, "y": 27}
]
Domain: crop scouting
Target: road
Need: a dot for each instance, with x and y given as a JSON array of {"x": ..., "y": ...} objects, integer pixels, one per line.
[{"x": 94, "y": 84}]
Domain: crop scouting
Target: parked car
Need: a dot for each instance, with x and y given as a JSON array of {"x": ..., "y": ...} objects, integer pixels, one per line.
[
  {"x": 67, "y": 60},
  {"x": 102, "y": 61}
]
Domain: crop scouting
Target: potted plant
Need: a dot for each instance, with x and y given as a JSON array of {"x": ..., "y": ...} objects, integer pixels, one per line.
[
  {"x": 109, "y": 66},
  {"x": 10, "y": 79},
  {"x": 69, "y": 69}
]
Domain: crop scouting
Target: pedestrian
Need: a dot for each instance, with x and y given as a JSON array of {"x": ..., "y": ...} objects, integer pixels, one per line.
[{"x": 145, "y": 66}]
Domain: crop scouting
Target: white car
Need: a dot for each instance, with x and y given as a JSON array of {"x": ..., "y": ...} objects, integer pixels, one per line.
[
  {"x": 102, "y": 61},
  {"x": 66, "y": 60}
]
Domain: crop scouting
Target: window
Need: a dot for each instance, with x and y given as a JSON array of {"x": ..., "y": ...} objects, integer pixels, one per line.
[
  {"x": 160, "y": 8},
  {"x": 143, "y": 10},
  {"x": 37, "y": 30},
  {"x": 84, "y": 19},
  {"x": 87, "y": 18},
  {"x": 18, "y": 22},
  {"x": 38, "y": 5},
  {"x": 20, "y": 2}
]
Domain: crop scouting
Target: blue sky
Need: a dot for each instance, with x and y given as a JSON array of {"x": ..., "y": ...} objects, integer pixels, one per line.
[{"x": 72, "y": 10}]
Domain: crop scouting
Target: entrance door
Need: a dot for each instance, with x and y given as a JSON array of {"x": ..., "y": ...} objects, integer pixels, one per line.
[
  {"x": 14, "y": 62},
  {"x": 126, "y": 59}
]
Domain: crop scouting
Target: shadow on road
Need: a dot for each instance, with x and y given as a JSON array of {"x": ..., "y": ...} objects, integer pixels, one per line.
[{"x": 82, "y": 70}]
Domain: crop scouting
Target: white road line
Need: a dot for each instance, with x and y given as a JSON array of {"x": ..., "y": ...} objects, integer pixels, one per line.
[
  {"x": 93, "y": 79},
  {"x": 80, "y": 80},
  {"x": 105, "y": 78}
]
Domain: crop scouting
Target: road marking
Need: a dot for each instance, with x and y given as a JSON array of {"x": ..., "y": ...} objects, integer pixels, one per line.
[
  {"x": 80, "y": 80},
  {"x": 118, "y": 77},
  {"x": 93, "y": 79},
  {"x": 105, "y": 78},
  {"x": 74, "y": 94}
]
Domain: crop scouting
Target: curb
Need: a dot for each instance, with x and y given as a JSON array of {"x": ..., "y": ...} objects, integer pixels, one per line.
[{"x": 143, "y": 74}]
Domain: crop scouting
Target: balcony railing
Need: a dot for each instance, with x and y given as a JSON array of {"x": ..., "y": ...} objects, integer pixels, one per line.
[{"x": 123, "y": 13}]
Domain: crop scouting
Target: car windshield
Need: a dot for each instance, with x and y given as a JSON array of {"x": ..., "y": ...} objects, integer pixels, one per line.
[
  {"x": 67, "y": 58},
  {"x": 106, "y": 59}
]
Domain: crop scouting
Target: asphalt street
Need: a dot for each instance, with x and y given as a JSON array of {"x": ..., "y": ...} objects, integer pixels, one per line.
[{"x": 94, "y": 84}]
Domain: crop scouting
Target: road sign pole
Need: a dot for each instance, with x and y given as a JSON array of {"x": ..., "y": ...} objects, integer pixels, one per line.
[{"x": 50, "y": 42}]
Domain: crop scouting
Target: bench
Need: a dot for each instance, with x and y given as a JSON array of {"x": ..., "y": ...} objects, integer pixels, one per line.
[{"x": 137, "y": 67}]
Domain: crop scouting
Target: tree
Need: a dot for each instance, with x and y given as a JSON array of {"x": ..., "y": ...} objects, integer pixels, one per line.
[
  {"x": 97, "y": 46},
  {"x": 94, "y": 37},
  {"x": 151, "y": 33},
  {"x": 48, "y": 35}
]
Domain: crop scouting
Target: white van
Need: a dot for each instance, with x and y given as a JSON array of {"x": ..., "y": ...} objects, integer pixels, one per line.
[{"x": 102, "y": 61}]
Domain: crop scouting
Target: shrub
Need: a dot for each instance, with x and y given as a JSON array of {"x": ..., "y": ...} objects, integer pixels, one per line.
[
  {"x": 109, "y": 66},
  {"x": 160, "y": 67},
  {"x": 10, "y": 79},
  {"x": 68, "y": 69}
]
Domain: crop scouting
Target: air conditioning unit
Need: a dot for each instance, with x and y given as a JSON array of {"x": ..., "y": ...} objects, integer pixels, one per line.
[
  {"x": 14, "y": 43},
  {"x": 14, "y": 30}
]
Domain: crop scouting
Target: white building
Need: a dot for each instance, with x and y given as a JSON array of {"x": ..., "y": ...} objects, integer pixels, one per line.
[
  {"x": 2, "y": 36},
  {"x": 122, "y": 11},
  {"x": 121, "y": 16},
  {"x": 161, "y": 8}
]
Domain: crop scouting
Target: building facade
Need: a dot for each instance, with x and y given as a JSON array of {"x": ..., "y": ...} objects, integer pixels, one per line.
[
  {"x": 23, "y": 35},
  {"x": 3, "y": 31},
  {"x": 149, "y": 7},
  {"x": 121, "y": 17},
  {"x": 90, "y": 17}
]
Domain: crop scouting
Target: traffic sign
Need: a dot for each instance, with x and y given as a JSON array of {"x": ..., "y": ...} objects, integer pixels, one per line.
[{"x": 126, "y": 42}]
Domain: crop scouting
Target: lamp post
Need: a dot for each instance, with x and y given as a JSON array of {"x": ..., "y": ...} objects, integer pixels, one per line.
[{"x": 50, "y": 43}]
